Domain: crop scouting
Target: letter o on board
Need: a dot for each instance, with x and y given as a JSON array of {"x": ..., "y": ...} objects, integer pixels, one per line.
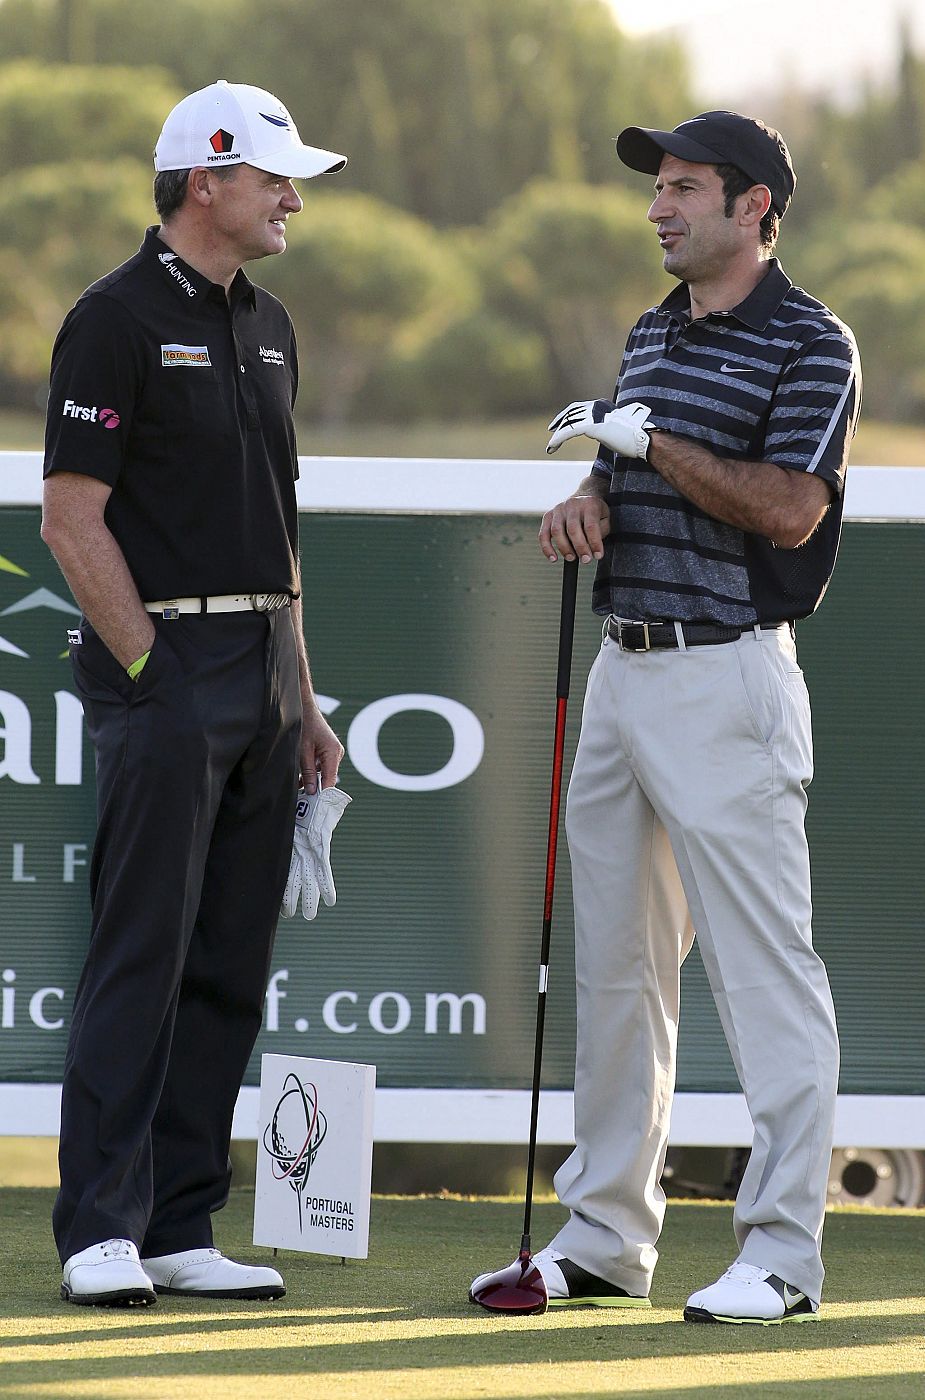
[
  {"x": 403, "y": 1007},
  {"x": 468, "y": 743}
]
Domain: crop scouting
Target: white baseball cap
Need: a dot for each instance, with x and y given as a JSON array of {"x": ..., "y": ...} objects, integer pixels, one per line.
[{"x": 234, "y": 124}]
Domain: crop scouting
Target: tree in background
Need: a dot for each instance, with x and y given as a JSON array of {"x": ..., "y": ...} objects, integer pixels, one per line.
[
  {"x": 842, "y": 152},
  {"x": 491, "y": 121},
  {"x": 61, "y": 227},
  {"x": 577, "y": 265},
  {"x": 562, "y": 272},
  {"x": 874, "y": 280},
  {"x": 359, "y": 279},
  {"x": 447, "y": 110},
  {"x": 53, "y": 114},
  {"x": 182, "y": 36},
  {"x": 444, "y": 109},
  {"x": 75, "y": 196},
  {"x": 467, "y": 363},
  {"x": 910, "y": 100}
]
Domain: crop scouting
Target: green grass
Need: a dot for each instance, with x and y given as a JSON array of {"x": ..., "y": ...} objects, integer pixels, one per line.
[
  {"x": 398, "y": 1324},
  {"x": 877, "y": 444}
]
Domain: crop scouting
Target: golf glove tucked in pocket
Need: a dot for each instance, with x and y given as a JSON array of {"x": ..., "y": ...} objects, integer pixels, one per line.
[{"x": 310, "y": 874}]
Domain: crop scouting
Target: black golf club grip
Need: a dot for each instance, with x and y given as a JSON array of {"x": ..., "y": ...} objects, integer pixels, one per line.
[{"x": 566, "y": 626}]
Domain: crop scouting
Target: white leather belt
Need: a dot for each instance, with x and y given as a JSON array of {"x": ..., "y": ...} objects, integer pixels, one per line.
[{"x": 219, "y": 603}]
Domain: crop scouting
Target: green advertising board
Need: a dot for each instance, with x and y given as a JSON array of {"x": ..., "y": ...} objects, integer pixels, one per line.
[{"x": 433, "y": 643}]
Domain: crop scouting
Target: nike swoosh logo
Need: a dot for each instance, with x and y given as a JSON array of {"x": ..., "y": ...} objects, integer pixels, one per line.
[
  {"x": 736, "y": 369},
  {"x": 791, "y": 1298}
]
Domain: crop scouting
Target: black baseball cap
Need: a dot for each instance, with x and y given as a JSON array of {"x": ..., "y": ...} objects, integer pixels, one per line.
[{"x": 717, "y": 138}]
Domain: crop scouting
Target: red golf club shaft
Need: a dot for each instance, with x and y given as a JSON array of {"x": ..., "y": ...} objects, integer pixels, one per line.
[{"x": 566, "y": 636}]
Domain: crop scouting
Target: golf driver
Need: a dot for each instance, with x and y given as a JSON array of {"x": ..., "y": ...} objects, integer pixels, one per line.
[{"x": 520, "y": 1288}]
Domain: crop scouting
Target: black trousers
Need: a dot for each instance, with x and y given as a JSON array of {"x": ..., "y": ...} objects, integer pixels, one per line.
[{"x": 197, "y": 767}]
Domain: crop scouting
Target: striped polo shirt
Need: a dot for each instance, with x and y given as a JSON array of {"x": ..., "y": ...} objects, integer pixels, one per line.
[{"x": 777, "y": 379}]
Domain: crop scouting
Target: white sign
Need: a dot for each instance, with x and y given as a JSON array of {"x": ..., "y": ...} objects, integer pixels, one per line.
[{"x": 314, "y": 1155}]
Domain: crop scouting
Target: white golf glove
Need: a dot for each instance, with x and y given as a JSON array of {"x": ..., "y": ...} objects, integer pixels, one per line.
[
  {"x": 310, "y": 874},
  {"x": 623, "y": 430}
]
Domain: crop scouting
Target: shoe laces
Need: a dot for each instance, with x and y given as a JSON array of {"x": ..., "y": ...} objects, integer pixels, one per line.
[
  {"x": 745, "y": 1273},
  {"x": 117, "y": 1249}
]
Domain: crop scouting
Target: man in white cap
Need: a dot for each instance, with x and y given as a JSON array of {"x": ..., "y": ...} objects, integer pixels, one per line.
[{"x": 170, "y": 506}]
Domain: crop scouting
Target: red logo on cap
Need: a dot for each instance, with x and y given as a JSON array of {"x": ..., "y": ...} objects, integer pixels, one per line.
[{"x": 221, "y": 141}]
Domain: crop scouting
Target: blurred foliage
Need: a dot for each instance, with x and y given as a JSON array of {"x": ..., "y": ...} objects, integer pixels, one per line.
[
  {"x": 875, "y": 280},
  {"x": 61, "y": 227},
  {"x": 484, "y": 253},
  {"x": 444, "y": 109},
  {"x": 477, "y": 366},
  {"x": 576, "y": 264},
  {"x": 360, "y": 279},
  {"x": 85, "y": 113}
]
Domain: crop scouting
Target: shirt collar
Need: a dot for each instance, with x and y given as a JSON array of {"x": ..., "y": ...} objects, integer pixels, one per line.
[
  {"x": 242, "y": 288},
  {"x": 754, "y": 311},
  {"x": 189, "y": 284}
]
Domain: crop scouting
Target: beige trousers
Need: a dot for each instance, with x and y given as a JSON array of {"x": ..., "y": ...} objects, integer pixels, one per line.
[{"x": 685, "y": 812}]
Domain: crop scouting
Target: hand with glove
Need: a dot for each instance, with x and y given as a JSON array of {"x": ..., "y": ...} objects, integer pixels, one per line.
[
  {"x": 310, "y": 874},
  {"x": 623, "y": 430}
]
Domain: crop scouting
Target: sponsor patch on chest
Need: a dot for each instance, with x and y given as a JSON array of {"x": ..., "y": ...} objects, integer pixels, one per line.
[
  {"x": 271, "y": 356},
  {"x": 196, "y": 356}
]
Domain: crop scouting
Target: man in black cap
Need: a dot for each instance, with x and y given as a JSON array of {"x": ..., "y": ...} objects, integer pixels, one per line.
[{"x": 713, "y": 510}]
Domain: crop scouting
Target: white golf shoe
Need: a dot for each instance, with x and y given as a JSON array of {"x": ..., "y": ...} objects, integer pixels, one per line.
[
  {"x": 746, "y": 1293},
  {"x": 206, "y": 1273},
  {"x": 107, "y": 1275}
]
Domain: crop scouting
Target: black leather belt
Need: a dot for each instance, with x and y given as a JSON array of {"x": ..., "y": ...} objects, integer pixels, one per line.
[{"x": 650, "y": 636}]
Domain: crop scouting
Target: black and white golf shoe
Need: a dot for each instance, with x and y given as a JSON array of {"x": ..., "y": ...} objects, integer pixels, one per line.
[
  {"x": 746, "y": 1293},
  {"x": 571, "y": 1286}
]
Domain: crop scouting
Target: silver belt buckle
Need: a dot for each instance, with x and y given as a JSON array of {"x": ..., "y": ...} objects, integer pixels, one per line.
[
  {"x": 645, "y": 635},
  {"x": 267, "y": 602},
  {"x": 170, "y": 613}
]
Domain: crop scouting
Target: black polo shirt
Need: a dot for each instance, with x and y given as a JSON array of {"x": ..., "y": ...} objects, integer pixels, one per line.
[
  {"x": 181, "y": 399},
  {"x": 777, "y": 379}
]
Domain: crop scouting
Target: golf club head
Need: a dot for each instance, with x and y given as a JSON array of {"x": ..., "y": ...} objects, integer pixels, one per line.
[{"x": 517, "y": 1289}]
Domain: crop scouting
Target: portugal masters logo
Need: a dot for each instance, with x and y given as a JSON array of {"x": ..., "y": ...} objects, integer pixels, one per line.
[{"x": 294, "y": 1134}]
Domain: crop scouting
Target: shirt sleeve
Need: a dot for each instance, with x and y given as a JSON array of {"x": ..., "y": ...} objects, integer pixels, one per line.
[
  {"x": 815, "y": 411},
  {"x": 96, "y": 378}
]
